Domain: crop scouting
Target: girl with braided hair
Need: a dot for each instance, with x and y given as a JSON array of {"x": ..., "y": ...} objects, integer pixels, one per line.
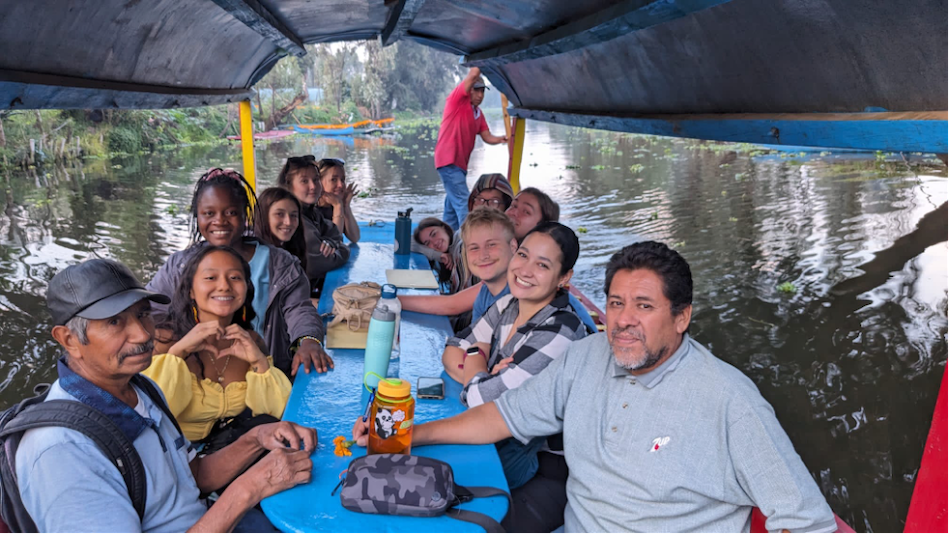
[{"x": 222, "y": 214}]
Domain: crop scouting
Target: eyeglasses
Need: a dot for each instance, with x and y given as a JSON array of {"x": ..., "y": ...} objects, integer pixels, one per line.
[{"x": 481, "y": 201}]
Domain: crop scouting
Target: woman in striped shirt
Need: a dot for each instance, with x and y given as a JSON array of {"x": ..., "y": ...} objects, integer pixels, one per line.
[{"x": 520, "y": 335}]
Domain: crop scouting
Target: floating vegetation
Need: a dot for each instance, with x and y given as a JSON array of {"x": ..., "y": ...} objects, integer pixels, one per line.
[
  {"x": 172, "y": 210},
  {"x": 636, "y": 168},
  {"x": 598, "y": 167},
  {"x": 572, "y": 166},
  {"x": 733, "y": 219},
  {"x": 679, "y": 244},
  {"x": 787, "y": 287},
  {"x": 582, "y": 230},
  {"x": 741, "y": 176},
  {"x": 654, "y": 216}
]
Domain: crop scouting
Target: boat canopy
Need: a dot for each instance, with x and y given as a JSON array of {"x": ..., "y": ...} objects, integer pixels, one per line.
[{"x": 695, "y": 68}]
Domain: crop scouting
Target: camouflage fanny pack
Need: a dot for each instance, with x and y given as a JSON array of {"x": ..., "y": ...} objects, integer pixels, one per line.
[{"x": 394, "y": 484}]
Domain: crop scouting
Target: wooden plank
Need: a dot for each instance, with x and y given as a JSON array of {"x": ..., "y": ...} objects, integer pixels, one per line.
[
  {"x": 400, "y": 20},
  {"x": 257, "y": 17},
  {"x": 928, "y": 506},
  {"x": 615, "y": 21},
  {"x": 896, "y": 132}
]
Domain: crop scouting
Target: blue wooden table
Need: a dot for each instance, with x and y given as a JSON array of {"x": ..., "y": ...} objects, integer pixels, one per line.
[{"x": 332, "y": 401}]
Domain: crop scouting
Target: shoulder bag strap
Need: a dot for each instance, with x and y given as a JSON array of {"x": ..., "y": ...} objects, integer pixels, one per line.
[{"x": 489, "y": 524}]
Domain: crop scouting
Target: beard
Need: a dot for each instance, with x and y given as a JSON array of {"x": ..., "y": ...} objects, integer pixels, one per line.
[{"x": 626, "y": 359}]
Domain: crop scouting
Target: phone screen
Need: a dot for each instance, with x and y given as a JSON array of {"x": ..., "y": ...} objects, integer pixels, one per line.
[{"x": 430, "y": 388}]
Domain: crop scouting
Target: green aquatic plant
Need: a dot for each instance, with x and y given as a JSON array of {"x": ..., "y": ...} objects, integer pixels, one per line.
[
  {"x": 787, "y": 287},
  {"x": 636, "y": 168},
  {"x": 572, "y": 166},
  {"x": 598, "y": 167},
  {"x": 172, "y": 210},
  {"x": 582, "y": 230}
]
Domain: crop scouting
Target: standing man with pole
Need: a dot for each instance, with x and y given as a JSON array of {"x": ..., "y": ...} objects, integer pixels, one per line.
[{"x": 462, "y": 120}]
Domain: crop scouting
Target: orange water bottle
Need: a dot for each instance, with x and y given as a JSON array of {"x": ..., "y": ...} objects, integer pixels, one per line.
[{"x": 390, "y": 429}]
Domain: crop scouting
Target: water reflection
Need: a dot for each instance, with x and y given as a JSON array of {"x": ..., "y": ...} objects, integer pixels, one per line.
[{"x": 851, "y": 359}]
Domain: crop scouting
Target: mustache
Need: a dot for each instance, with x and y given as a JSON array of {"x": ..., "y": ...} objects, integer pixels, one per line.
[
  {"x": 631, "y": 331},
  {"x": 147, "y": 347}
]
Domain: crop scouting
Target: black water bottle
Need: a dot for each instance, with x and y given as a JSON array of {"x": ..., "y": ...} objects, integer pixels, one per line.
[{"x": 403, "y": 232}]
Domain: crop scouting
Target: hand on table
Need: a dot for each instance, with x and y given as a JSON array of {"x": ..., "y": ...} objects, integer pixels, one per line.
[
  {"x": 361, "y": 432},
  {"x": 310, "y": 352},
  {"x": 279, "y": 470},
  {"x": 286, "y": 435}
]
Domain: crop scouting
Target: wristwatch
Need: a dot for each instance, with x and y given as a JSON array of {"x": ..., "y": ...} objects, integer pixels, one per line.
[{"x": 474, "y": 350}]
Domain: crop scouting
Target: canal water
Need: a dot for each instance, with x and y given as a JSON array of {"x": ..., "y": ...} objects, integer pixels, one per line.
[{"x": 802, "y": 278}]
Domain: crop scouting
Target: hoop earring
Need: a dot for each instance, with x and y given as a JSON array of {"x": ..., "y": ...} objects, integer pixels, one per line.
[{"x": 194, "y": 310}]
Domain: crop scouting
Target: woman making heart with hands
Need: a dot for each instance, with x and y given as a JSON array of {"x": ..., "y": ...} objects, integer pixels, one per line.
[{"x": 210, "y": 364}]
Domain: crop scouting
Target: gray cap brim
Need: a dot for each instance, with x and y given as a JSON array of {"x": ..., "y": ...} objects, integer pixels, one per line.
[{"x": 115, "y": 304}]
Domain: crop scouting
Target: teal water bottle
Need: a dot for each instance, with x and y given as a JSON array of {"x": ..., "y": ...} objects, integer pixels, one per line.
[
  {"x": 403, "y": 232},
  {"x": 379, "y": 345},
  {"x": 388, "y": 298}
]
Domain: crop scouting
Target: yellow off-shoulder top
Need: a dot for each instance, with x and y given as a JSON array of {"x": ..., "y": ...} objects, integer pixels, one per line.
[{"x": 197, "y": 405}]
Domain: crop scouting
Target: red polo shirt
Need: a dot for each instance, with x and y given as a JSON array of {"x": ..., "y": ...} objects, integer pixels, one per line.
[{"x": 461, "y": 123}]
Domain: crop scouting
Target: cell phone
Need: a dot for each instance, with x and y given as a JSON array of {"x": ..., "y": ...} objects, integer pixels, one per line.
[{"x": 430, "y": 388}]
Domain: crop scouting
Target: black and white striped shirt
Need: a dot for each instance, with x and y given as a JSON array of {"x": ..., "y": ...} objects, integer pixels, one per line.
[{"x": 534, "y": 345}]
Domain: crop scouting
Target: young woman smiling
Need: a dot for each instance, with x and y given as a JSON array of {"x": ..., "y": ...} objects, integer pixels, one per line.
[
  {"x": 222, "y": 211},
  {"x": 520, "y": 334},
  {"x": 208, "y": 361},
  {"x": 334, "y": 204},
  {"x": 277, "y": 222},
  {"x": 325, "y": 248}
]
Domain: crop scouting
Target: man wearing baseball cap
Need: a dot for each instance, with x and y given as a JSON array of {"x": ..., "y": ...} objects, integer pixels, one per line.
[
  {"x": 102, "y": 318},
  {"x": 462, "y": 120}
]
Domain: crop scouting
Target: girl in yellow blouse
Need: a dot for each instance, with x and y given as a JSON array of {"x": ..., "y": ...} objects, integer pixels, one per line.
[{"x": 208, "y": 362}]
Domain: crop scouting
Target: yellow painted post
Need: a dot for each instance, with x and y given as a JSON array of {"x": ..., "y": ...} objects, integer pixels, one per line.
[
  {"x": 514, "y": 173},
  {"x": 247, "y": 143}
]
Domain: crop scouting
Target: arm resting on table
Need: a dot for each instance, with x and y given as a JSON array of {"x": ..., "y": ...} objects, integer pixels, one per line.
[
  {"x": 481, "y": 425},
  {"x": 442, "y": 305}
]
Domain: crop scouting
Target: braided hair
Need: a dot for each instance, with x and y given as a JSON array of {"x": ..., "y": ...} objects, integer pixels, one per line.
[{"x": 237, "y": 187}]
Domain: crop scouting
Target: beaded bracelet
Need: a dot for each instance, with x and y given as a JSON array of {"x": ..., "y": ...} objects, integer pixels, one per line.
[{"x": 308, "y": 337}]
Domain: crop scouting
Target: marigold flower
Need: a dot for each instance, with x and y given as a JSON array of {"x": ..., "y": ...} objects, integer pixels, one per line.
[{"x": 342, "y": 446}]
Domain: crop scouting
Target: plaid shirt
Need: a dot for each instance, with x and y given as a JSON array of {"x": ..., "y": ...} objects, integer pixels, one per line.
[{"x": 534, "y": 345}]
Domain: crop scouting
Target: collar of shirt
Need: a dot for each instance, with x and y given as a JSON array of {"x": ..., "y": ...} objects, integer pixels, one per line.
[
  {"x": 130, "y": 422},
  {"x": 656, "y": 375}
]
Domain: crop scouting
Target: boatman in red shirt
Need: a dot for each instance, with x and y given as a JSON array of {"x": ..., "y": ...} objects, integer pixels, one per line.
[{"x": 462, "y": 120}]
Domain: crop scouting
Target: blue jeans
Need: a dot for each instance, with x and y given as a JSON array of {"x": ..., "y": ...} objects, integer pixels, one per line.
[{"x": 456, "y": 195}]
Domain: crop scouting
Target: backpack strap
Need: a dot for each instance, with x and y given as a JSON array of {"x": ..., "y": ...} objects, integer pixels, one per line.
[
  {"x": 465, "y": 494},
  {"x": 98, "y": 427},
  {"x": 152, "y": 392}
]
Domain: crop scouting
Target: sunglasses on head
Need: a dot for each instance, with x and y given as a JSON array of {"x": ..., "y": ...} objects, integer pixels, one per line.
[{"x": 327, "y": 162}]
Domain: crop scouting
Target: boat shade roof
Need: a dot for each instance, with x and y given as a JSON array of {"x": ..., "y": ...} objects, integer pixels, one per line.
[{"x": 577, "y": 59}]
